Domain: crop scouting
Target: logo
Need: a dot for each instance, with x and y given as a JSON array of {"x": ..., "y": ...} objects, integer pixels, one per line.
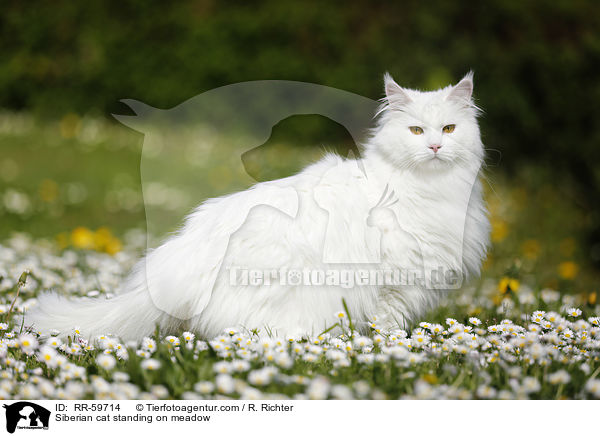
[{"x": 26, "y": 415}]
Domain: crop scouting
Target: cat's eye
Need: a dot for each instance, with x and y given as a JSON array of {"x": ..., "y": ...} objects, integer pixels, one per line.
[
  {"x": 416, "y": 130},
  {"x": 449, "y": 128}
]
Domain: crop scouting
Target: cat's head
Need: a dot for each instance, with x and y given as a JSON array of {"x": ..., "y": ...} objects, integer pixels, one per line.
[{"x": 429, "y": 130}]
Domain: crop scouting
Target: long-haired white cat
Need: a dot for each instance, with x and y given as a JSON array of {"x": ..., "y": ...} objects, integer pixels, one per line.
[{"x": 413, "y": 202}]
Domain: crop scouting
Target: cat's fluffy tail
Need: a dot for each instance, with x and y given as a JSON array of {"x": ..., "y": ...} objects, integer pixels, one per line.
[
  {"x": 131, "y": 315},
  {"x": 120, "y": 316}
]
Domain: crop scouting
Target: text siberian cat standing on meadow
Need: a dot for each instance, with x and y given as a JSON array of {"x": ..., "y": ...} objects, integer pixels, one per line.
[{"x": 413, "y": 202}]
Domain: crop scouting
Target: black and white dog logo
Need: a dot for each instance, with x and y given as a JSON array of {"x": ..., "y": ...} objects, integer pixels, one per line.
[{"x": 26, "y": 415}]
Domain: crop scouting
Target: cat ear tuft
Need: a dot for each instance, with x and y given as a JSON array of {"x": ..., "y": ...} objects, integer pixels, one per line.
[
  {"x": 463, "y": 90},
  {"x": 394, "y": 93}
]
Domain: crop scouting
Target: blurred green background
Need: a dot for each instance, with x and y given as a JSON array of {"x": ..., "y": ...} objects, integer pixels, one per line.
[{"x": 67, "y": 168}]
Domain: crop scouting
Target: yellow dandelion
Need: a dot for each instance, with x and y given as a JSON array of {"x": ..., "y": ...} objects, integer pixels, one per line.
[
  {"x": 430, "y": 378},
  {"x": 102, "y": 237},
  {"x": 568, "y": 270},
  {"x": 113, "y": 246},
  {"x": 82, "y": 237},
  {"x": 507, "y": 285},
  {"x": 106, "y": 242}
]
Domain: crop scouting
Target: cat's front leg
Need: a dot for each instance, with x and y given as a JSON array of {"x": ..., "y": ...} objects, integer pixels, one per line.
[{"x": 390, "y": 314}]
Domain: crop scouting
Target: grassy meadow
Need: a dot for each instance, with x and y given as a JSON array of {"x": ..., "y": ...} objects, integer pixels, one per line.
[{"x": 72, "y": 219}]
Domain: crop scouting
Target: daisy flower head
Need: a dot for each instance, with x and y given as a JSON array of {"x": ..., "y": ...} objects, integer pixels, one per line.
[
  {"x": 120, "y": 377},
  {"x": 172, "y": 340},
  {"x": 494, "y": 328},
  {"x": 122, "y": 353},
  {"x": 268, "y": 343},
  {"x": 106, "y": 361},
  {"x": 456, "y": 328},
  {"x": 559, "y": 377},
  {"x": 231, "y": 331},
  {"x": 549, "y": 295},
  {"x": 201, "y": 346},
  {"x": 222, "y": 367},
  {"x": 574, "y": 312},
  {"x": 420, "y": 340},
  {"x": 486, "y": 392},
  {"x": 149, "y": 344},
  {"x": 581, "y": 325},
  {"x": 365, "y": 358},
  {"x": 318, "y": 389},
  {"x": 188, "y": 336},
  {"x": 74, "y": 349},
  {"x": 204, "y": 387},
  {"x": 309, "y": 357},
  {"x": 362, "y": 388},
  {"x": 538, "y": 316},
  {"x": 240, "y": 365},
  {"x": 363, "y": 341},
  {"x": 531, "y": 385},
  {"x": 593, "y": 387},
  {"x": 260, "y": 377},
  {"x": 378, "y": 339},
  {"x": 436, "y": 329},
  {"x": 28, "y": 343},
  {"x": 47, "y": 355},
  {"x": 376, "y": 327},
  {"x": 225, "y": 383},
  {"x": 108, "y": 343},
  {"x": 150, "y": 364},
  {"x": 292, "y": 338},
  {"x": 475, "y": 321}
]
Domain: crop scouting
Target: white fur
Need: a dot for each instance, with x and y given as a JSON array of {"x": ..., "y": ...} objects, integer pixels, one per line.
[{"x": 439, "y": 220}]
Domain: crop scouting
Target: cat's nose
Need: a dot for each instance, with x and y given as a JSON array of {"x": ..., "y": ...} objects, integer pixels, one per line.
[{"x": 435, "y": 147}]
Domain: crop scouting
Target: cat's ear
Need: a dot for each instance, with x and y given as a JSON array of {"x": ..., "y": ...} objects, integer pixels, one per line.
[
  {"x": 463, "y": 90},
  {"x": 394, "y": 93}
]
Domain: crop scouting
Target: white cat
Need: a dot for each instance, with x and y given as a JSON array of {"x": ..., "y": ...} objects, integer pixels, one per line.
[{"x": 413, "y": 203}]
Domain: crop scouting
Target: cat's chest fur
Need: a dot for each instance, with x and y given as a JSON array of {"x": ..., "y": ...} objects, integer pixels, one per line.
[{"x": 432, "y": 215}]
